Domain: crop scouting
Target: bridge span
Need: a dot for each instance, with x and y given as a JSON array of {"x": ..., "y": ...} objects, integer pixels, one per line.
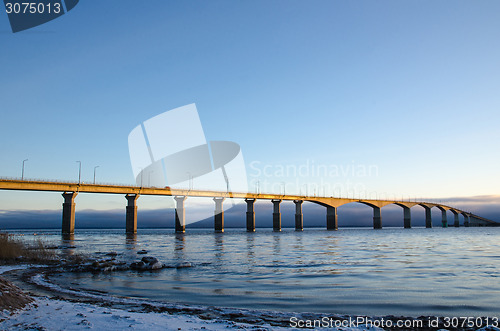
[{"x": 132, "y": 193}]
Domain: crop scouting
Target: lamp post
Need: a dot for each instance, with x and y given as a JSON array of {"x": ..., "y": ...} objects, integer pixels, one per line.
[
  {"x": 94, "y": 172},
  {"x": 79, "y": 172},
  {"x": 22, "y": 174}
]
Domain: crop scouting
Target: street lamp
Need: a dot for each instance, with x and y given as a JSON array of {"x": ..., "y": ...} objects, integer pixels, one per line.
[
  {"x": 94, "y": 172},
  {"x": 79, "y": 172},
  {"x": 22, "y": 175}
]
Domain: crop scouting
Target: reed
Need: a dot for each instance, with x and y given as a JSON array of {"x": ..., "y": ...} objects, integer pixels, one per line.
[{"x": 14, "y": 250}]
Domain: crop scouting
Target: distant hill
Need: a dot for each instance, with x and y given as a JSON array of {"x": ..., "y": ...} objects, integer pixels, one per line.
[{"x": 314, "y": 216}]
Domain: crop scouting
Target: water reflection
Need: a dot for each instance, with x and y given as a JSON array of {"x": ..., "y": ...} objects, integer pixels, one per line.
[
  {"x": 68, "y": 239},
  {"x": 250, "y": 246},
  {"x": 277, "y": 244},
  {"x": 131, "y": 241},
  {"x": 277, "y": 258},
  {"x": 68, "y": 244},
  {"x": 250, "y": 249},
  {"x": 179, "y": 245},
  {"x": 218, "y": 247},
  {"x": 299, "y": 251}
]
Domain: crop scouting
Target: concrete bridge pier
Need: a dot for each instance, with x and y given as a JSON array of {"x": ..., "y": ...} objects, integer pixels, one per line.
[
  {"x": 456, "y": 222},
  {"x": 180, "y": 214},
  {"x": 444, "y": 218},
  {"x": 299, "y": 219},
  {"x": 250, "y": 215},
  {"x": 131, "y": 213},
  {"x": 428, "y": 217},
  {"x": 377, "y": 218},
  {"x": 276, "y": 215},
  {"x": 68, "y": 215},
  {"x": 331, "y": 218},
  {"x": 406, "y": 217},
  {"x": 466, "y": 220},
  {"x": 219, "y": 215}
]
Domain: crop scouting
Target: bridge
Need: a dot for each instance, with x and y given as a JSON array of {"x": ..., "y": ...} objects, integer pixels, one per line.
[{"x": 71, "y": 190}]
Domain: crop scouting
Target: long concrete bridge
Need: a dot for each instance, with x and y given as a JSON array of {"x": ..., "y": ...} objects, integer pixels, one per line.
[{"x": 132, "y": 193}]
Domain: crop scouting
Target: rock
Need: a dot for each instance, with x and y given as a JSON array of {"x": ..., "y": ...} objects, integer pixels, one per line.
[
  {"x": 149, "y": 260},
  {"x": 138, "y": 265},
  {"x": 142, "y": 252},
  {"x": 184, "y": 265},
  {"x": 147, "y": 263},
  {"x": 156, "y": 266},
  {"x": 112, "y": 254},
  {"x": 103, "y": 265}
]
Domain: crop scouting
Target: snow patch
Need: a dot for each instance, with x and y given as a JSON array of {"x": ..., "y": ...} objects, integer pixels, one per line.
[{"x": 78, "y": 316}]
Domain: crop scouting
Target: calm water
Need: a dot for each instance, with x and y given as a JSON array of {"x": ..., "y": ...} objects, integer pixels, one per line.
[{"x": 352, "y": 271}]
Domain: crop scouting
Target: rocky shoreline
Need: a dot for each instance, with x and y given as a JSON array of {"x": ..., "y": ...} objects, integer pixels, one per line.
[{"x": 147, "y": 263}]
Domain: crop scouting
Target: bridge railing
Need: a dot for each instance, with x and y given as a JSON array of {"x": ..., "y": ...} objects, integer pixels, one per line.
[{"x": 38, "y": 180}]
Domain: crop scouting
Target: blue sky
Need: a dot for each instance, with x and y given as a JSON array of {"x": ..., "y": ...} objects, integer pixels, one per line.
[{"x": 410, "y": 87}]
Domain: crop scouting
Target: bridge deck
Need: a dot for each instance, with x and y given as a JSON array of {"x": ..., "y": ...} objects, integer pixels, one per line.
[{"x": 48, "y": 186}]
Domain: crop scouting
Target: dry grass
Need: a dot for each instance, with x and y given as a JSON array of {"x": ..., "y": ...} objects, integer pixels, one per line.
[
  {"x": 10, "y": 249},
  {"x": 13, "y": 250},
  {"x": 12, "y": 297}
]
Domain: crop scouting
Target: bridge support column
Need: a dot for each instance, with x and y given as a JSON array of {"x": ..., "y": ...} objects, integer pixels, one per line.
[
  {"x": 466, "y": 221},
  {"x": 406, "y": 217},
  {"x": 131, "y": 213},
  {"x": 331, "y": 218},
  {"x": 444, "y": 218},
  {"x": 428, "y": 217},
  {"x": 276, "y": 215},
  {"x": 299, "y": 220},
  {"x": 68, "y": 215},
  {"x": 456, "y": 222},
  {"x": 377, "y": 218},
  {"x": 250, "y": 215},
  {"x": 219, "y": 215},
  {"x": 180, "y": 214}
]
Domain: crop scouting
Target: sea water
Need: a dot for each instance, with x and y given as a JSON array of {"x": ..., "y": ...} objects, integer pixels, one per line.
[{"x": 361, "y": 271}]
